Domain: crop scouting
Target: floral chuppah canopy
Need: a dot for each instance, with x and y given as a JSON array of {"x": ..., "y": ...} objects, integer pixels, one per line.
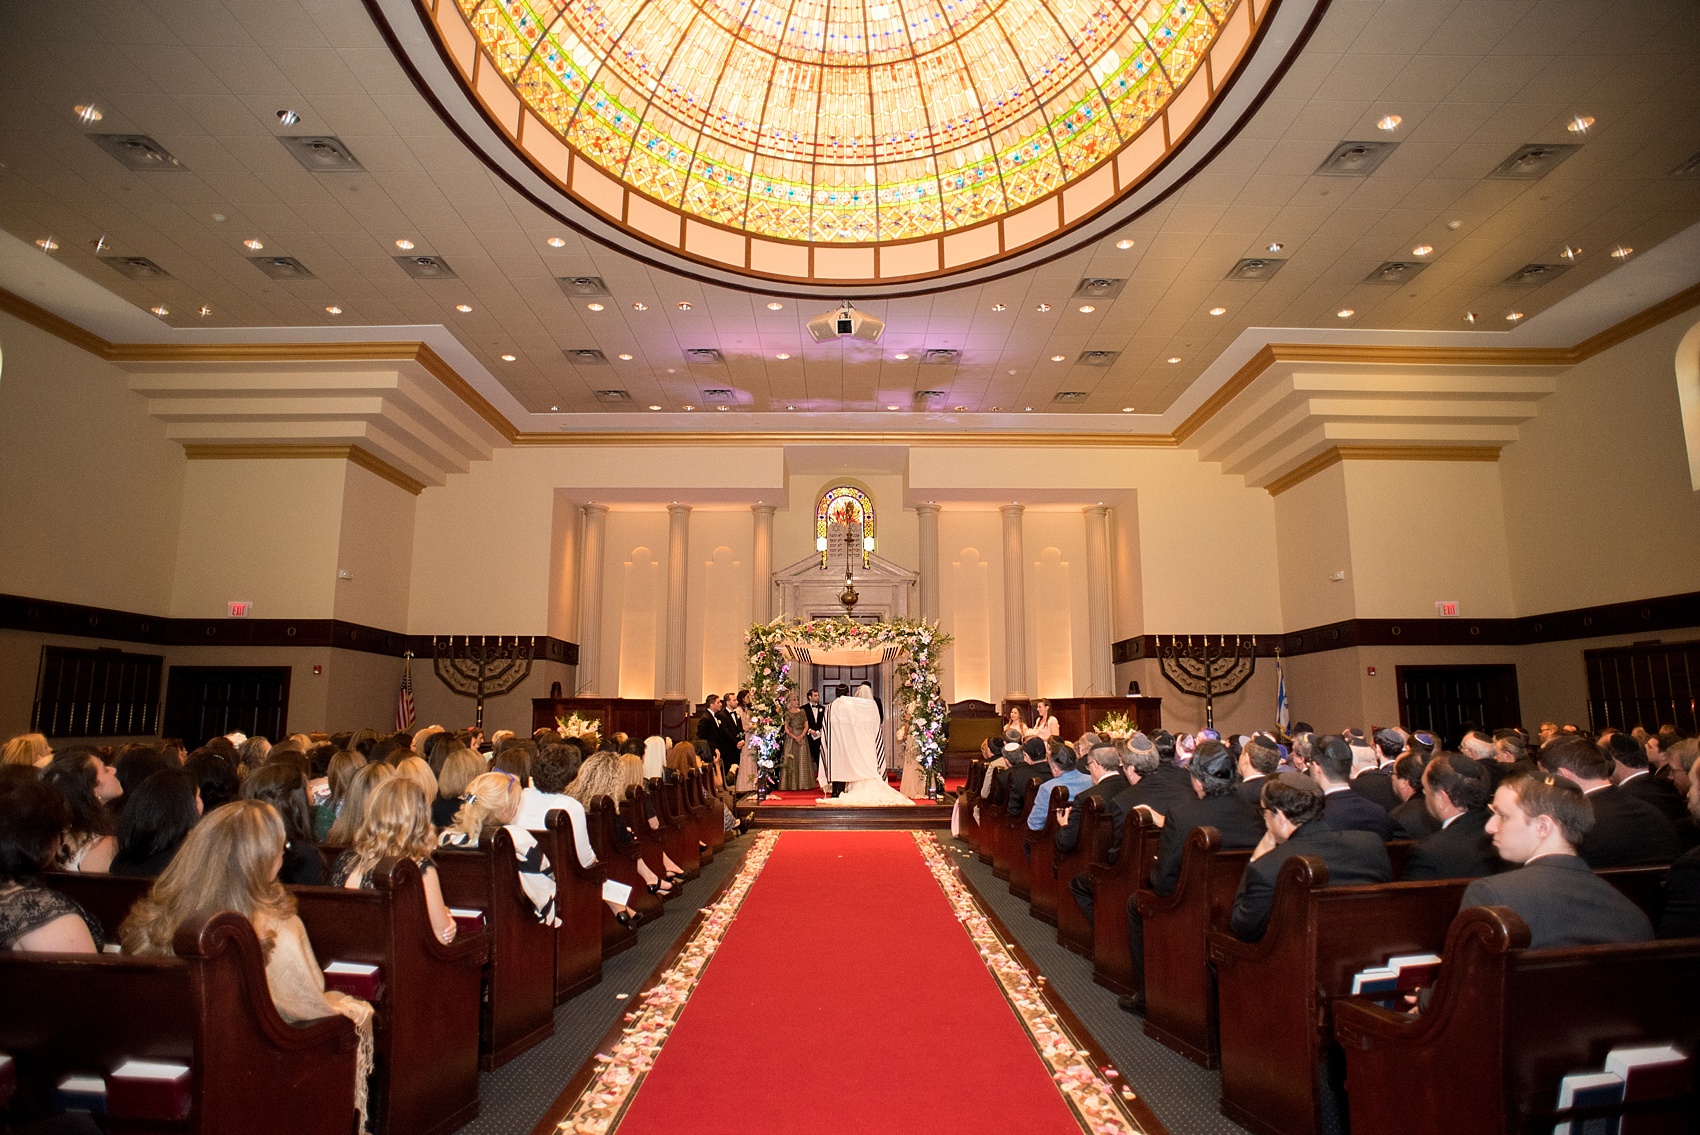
[{"x": 915, "y": 645}]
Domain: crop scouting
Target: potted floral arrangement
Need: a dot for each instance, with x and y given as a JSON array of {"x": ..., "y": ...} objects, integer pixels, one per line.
[{"x": 1115, "y": 727}]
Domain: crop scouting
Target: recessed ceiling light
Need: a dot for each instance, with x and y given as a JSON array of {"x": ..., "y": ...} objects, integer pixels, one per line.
[
  {"x": 1422, "y": 250},
  {"x": 1469, "y": 317},
  {"x": 775, "y": 306},
  {"x": 594, "y": 306},
  {"x": 960, "y": 409},
  {"x": 688, "y": 406},
  {"x": 892, "y": 407},
  {"x": 463, "y": 308},
  {"x": 671, "y": 370},
  {"x": 509, "y": 358},
  {"x": 1087, "y": 309},
  {"x": 1174, "y": 358},
  {"x": 1571, "y": 252},
  {"x": 1056, "y": 358},
  {"x": 790, "y": 407},
  {"x": 1127, "y": 409},
  {"x": 554, "y": 407},
  {"x": 218, "y": 217},
  {"x": 557, "y": 242},
  {"x": 721, "y": 407},
  {"x": 288, "y": 117},
  {"x": 900, "y": 356},
  {"x": 1454, "y": 225},
  {"x": 204, "y": 311},
  {"x": 1012, "y": 371},
  {"x": 1027, "y": 409},
  {"x": 1580, "y": 124},
  {"x": 684, "y": 305},
  {"x": 253, "y": 243},
  {"x": 1043, "y": 307},
  {"x": 627, "y": 358},
  {"x": 47, "y": 244},
  {"x": 404, "y": 245},
  {"x": 88, "y": 112},
  {"x": 1389, "y": 123},
  {"x": 1275, "y": 246},
  {"x": 782, "y": 356},
  {"x": 639, "y": 305},
  {"x": 334, "y": 309},
  {"x": 995, "y": 409},
  {"x": 1000, "y": 307},
  {"x": 655, "y": 407},
  {"x": 1124, "y": 245},
  {"x": 1622, "y": 252},
  {"x": 160, "y": 310},
  {"x": 1345, "y": 313},
  {"x": 1513, "y": 316},
  {"x": 1218, "y": 311}
]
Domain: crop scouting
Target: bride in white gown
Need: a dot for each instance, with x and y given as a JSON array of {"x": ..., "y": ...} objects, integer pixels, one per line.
[{"x": 853, "y": 753}]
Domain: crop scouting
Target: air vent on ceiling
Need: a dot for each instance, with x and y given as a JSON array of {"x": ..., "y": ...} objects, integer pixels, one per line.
[
  {"x": 1689, "y": 168},
  {"x": 585, "y": 356},
  {"x": 1255, "y": 268},
  {"x": 929, "y": 395},
  {"x": 136, "y": 267},
  {"x": 614, "y": 395},
  {"x": 709, "y": 355},
  {"x": 1355, "y": 159},
  {"x": 1533, "y": 275},
  {"x": 1097, "y": 358},
  {"x": 1069, "y": 396},
  {"x": 719, "y": 394},
  {"x": 137, "y": 151},
  {"x": 941, "y": 355},
  {"x": 1098, "y": 288},
  {"x": 1395, "y": 272},
  {"x": 577, "y": 286},
  {"x": 1533, "y": 161},
  {"x": 281, "y": 267},
  {"x": 322, "y": 154},
  {"x": 426, "y": 267}
]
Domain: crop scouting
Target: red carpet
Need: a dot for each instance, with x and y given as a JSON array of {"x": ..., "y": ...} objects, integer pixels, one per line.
[
  {"x": 846, "y": 999},
  {"x": 809, "y": 796}
]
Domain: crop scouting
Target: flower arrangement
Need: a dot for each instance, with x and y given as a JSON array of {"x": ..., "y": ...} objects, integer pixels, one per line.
[
  {"x": 576, "y": 726},
  {"x": 1115, "y": 726},
  {"x": 920, "y": 699}
]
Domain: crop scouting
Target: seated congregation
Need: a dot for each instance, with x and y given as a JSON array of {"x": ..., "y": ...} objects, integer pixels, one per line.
[
  {"x": 188, "y": 938},
  {"x": 1530, "y": 906}
]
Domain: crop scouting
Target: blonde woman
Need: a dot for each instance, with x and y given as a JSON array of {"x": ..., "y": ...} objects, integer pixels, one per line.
[
  {"x": 229, "y": 861},
  {"x": 353, "y": 811},
  {"x": 29, "y": 749},
  {"x": 604, "y": 773},
  {"x": 460, "y": 765},
  {"x": 418, "y": 770},
  {"x": 397, "y": 823},
  {"x": 492, "y": 801},
  {"x": 342, "y": 768}
]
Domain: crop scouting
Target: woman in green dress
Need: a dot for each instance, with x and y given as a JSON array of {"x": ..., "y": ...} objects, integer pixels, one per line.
[{"x": 797, "y": 773}]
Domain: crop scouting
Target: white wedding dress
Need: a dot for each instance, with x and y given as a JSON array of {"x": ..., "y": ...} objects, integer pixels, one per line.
[{"x": 853, "y": 753}]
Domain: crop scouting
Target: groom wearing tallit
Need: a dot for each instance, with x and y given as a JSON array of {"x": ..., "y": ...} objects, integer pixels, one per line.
[{"x": 852, "y": 744}]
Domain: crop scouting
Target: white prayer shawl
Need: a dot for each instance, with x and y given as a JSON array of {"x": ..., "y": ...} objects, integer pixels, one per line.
[
  {"x": 852, "y": 745},
  {"x": 654, "y": 757}
]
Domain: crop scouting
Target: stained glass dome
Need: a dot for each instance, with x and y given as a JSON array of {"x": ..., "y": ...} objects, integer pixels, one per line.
[{"x": 841, "y": 123}]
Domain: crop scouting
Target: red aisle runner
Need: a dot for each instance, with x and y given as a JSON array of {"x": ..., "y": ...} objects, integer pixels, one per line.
[{"x": 847, "y": 998}]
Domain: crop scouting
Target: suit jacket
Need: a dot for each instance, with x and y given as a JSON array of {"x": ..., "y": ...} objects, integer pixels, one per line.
[
  {"x": 1352, "y": 858},
  {"x": 1351, "y": 812},
  {"x": 1661, "y": 794},
  {"x": 1460, "y": 850},
  {"x": 711, "y": 727},
  {"x": 1238, "y": 822},
  {"x": 1176, "y": 780},
  {"x": 1627, "y": 832},
  {"x": 1411, "y": 820},
  {"x": 1251, "y": 791},
  {"x": 1019, "y": 776},
  {"x": 1068, "y": 836},
  {"x": 1377, "y": 785},
  {"x": 1564, "y": 903},
  {"x": 1160, "y": 794},
  {"x": 1682, "y": 898}
]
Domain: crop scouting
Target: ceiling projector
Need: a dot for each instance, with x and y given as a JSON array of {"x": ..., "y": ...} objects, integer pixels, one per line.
[{"x": 846, "y": 323}]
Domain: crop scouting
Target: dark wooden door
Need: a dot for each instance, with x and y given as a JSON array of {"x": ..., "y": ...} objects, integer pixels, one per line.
[
  {"x": 828, "y": 678},
  {"x": 1648, "y": 684},
  {"x": 1447, "y": 700},
  {"x": 206, "y": 701}
]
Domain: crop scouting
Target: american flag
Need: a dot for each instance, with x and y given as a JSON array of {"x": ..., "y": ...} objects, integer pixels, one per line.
[{"x": 404, "y": 700}]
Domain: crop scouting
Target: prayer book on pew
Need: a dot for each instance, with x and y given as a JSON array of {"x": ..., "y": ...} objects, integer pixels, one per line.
[
  {"x": 1589, "y": 1089},
  {"x": 1651, "y": 1074},
  {"x": 77, "y": 1092},
  {"x": 469, "y": 921},
  {"x": 8, "y": 1079},
  {"x": 148, "y": 1089},
  {"x": 1406, "y": 973},
  {"x": 357, "y": 979}
]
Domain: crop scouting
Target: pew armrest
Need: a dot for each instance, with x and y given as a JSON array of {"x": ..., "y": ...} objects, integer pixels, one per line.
[{"x": 208, "y": 937}]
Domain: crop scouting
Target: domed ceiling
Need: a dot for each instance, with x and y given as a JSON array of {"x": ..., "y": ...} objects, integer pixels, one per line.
[{"x": 846, "y": 139}]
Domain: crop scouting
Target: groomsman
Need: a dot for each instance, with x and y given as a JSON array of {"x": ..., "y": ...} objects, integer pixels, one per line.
[
  {"x": 713, "y": 728},
  {"x": 815, "y": 712}
]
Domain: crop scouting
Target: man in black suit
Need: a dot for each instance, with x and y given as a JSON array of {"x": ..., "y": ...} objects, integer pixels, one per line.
[
  {"x": 1345, "y": 810},
  {"x": 814, "y": 715},
  {"x": 1157, "y": 790},
  {"x": 1259, "y": 758},
  {"x": 1456, "y": 791},
  {"x": 1376, "y": 783},
  {"x": 1168, "y": 780},
  {"x": 1217, "y": 804},
  {"x": 1632, "y": 772},
  {"x": 1539, "y": 823},
  {"x": 1035, "y": 766},
  {"x": 1292, "y": 815},
  {"x": 1104, "y": 763},
  {"x": 1681, "y": 918},
  {"x": 1412, "y": 818},
  {"x": 1625, "y": 832},
  {"x": 712, "y": 728}
]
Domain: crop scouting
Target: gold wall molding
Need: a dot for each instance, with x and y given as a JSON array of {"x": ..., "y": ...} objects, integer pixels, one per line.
[
  {"x": 1338, "y": 453},
  {"x": 290, "y": 451},
  {"x": 981, "y": 439}
]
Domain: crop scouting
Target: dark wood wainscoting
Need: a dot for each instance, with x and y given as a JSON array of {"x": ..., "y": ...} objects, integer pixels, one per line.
[
  {"x": 206, "y": 701},
  {"x": 1446, "y": 700},
  {"x": 1646, "y": 684}
]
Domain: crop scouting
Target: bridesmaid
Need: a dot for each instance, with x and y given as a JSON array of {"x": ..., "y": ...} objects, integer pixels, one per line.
[
  {"x": 798, "y": 770},
  {"x": 1044, "y": 725},
  {"x": 1013, "y": 721}
]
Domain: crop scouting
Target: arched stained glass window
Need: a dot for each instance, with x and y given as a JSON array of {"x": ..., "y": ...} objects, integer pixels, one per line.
[{"x": 844, "y": 505}]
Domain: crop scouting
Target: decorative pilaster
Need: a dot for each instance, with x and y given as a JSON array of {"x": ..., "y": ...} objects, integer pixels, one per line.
[
  {"x": 590, "y": 597},
  {"x": 1098, "y": 629},
  {"x": 928, "y": 514},
  {"x": 761, "y": 564},
  {"x": 1014, "y": 603},
  {"x": 678, "y": 563}
]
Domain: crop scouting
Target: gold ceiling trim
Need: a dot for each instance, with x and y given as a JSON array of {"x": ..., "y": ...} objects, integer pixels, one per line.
[
  {"x": 1335, "y": 454},
  {"x": 353, "y": 454},
  {"x": 846, "y": 437}
]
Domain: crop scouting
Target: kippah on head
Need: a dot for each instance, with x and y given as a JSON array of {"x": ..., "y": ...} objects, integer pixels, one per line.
[
  {"x": 1208, "y": 750},
  {"x": 1217, "y": 763},
  {"x": 1332, "y": 747},
  {"x": 1140, "y": 743},
  {"x": 1299, "y": 782}
]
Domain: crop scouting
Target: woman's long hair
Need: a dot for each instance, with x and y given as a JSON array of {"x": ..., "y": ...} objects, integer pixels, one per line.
[
  {"x": 461, "y": 766},
  {"x": 682, "y": 758},
  {"x": 342, "y": 769},
  {"x": 74, "y": 776},
  {"x": 600, "y": 775},
  {"x": 398, "y": 822},
  {"x": 26, "y": 749},
  {"x": 160, "y": 814},
  {"x": 492, "y": 799},
  {"x": 419, "y": 772},
  {"x": 353, "y": 810},
  {"x": 282, "y": 787},
  {"x": 228, "y": 862},
  {"x": 631, "y": 773}
]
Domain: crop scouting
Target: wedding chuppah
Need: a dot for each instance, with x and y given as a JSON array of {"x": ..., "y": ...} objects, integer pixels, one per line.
[{"x": 853, "y": 754}]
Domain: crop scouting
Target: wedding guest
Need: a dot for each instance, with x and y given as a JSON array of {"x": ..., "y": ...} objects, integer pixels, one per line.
[
  {"x": 215, "y": 778},
  {"x": 34, "y": 918},
  {"x": 418, "y": 770},
  {"x": 342, "y": 768},
  {"x": 797, "y": 771},
  {"x": 460, "y": 765},
  {"x": 492, "y": 802},
  {"x": 87, "y": 784},
  {"x": 397, "y": 823},
  {"x": 1681, "y": 917},
  {"x": 352, "y": 812},
  {"x": 161, "y": 812},
  {"x": 1013, "y": 720},
  {"x": 28, "y": 749},
  {"x": 1044, "y": 724},
  {"x": 557, "y": 766},
  {"x": 282, "y": 786}
]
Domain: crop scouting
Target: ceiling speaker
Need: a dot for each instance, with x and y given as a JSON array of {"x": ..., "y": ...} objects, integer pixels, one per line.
[{"x": 846, "y": 323}]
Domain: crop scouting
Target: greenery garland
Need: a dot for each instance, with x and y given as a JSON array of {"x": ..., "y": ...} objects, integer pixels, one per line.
[{"x": 920, "y": 699}]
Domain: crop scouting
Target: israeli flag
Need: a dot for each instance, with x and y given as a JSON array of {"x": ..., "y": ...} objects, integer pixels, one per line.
[{"x": 1282, "y": 714}]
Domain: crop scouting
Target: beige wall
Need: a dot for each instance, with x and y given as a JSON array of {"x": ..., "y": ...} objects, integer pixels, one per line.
[
  {"x": 1313, "y": 542},
  {"x": 373, "y": 546}
]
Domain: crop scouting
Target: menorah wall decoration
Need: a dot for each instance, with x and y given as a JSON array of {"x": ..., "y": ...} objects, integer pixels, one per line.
[
  {"x": 1195, "y": 665},
  {"x": 482, "y": 666}
]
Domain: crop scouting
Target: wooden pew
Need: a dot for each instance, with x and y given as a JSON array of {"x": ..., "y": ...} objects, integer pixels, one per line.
[
  {"x": 678, "y": 828},
  {"x": 1506, "y": 1023},
  {"x": 1275, "y": 996},
  {"x": 426, "y": 1025},
  {"x": 987, "y": 829},
  {"x": 1008, "y": 833},
  {"x": 1180, "y": 989},
  {"x": 620, "y": 863},
  {"x": 634, "y": 810},
  {"x": 1042, "y": 883},
  {"x": 967, "y": 827},
  {"x": 1020, "y": 838},
  {"x": 1112, "y": 886},
  {"x": 1097, "y": 831},
  {"x": 208, "y": 1007},
  {"x": 519, "y": 975},
  {"x": 578, "y": 900}
]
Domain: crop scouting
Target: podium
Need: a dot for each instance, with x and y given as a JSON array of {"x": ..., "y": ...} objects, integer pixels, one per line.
[{"x": 1078, "y": 715}]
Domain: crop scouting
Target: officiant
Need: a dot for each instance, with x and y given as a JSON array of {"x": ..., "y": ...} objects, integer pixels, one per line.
[{"x": 852, "y": 742}]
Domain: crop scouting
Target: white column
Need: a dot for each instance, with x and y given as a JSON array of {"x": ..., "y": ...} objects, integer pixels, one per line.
[
  {"x": 761, "y": 564},
  {"x": 928, "y": 514},
  {"x": 1099, "y": 633},
  {"x": 1014, "y": 603},
  {"x": 678, "y": 563},
  {"x": 590, "y": 597}
]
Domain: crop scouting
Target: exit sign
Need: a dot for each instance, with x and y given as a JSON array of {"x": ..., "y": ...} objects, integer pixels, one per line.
[
  {"x": 1448, "y": 608},
  {"x": 240, "y": 608}
]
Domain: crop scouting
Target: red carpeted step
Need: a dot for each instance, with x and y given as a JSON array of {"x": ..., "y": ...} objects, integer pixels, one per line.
[{"x": 847, "y": 999}]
